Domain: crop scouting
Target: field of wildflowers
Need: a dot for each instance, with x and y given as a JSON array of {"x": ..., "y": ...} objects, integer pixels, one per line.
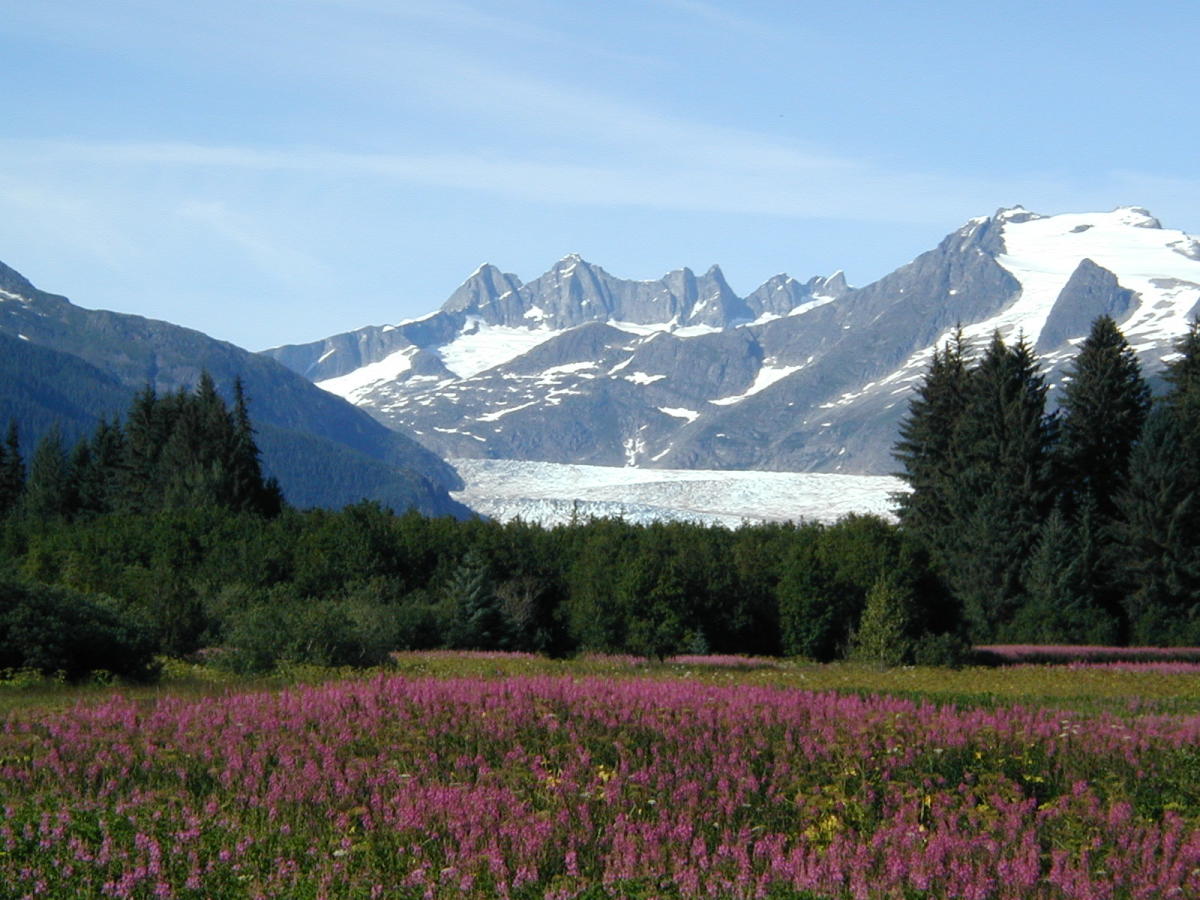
[{"x": 573, "y": 781}]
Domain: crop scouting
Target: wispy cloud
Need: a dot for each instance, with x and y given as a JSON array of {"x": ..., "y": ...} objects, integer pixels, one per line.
[
  {"x": 265, "y": 252},
  {"x": 735, "y": 179},
  {"x": 716, "y": 15}
]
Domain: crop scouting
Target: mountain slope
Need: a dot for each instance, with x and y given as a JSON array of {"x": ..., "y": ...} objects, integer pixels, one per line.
[
  {"x": 63, "y": 362},
  {"x": 579, "y": 366}
]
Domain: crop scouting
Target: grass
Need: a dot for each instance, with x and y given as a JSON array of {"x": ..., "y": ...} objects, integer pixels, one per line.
[
  {"x": 1086, "y": 689},
  {"x": 489, "y": 774}
]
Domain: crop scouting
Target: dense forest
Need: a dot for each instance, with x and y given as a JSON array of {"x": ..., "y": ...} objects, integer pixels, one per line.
[{"x": 159, "y": 535}]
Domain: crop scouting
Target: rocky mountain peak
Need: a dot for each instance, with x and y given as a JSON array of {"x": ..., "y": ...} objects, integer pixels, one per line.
[{"x": 1015, "y": 214}]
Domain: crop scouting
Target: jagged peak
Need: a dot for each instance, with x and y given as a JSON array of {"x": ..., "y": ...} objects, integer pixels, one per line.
[
  {"x": 1015, "y": 214},
  {"x": 1136, "y": 216}
]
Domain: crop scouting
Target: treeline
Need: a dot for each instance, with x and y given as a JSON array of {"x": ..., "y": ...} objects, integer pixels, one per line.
[
  {"x": 160, "y": 535},
  {"x": 1078, "y": 526},
  {"x": 179, "y": 451},
  {"x": 350, "y": 586}
]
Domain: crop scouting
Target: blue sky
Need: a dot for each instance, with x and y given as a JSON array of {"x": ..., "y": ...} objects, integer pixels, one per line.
[{"x": 274, "y": 172}]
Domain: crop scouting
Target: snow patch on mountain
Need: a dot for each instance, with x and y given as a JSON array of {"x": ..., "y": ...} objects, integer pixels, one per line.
[
  {"x": 482, "y": 346},
  {"x": 1043, "y": 252},
  {"x": 554, "y": 493},
  {"x": 766, "y": 377},
  {"x": 353, "y": 385}
]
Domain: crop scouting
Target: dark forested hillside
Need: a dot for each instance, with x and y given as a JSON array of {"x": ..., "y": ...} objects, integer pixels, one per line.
[{"x": 62, "y": 363}]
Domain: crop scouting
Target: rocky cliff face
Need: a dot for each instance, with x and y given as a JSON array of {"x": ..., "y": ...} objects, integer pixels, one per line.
[{"x": 580, "y": 366}]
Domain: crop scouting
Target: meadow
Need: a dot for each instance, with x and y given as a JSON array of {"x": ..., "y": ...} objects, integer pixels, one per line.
[{"x": 510, "y": 775}]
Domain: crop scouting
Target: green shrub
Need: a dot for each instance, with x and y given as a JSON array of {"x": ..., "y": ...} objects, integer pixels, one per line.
[
  {"x": 59, "y": 630},
  {"x": 318, "y": 632}
]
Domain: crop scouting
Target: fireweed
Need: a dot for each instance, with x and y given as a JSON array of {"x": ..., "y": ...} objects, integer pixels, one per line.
[{"x": 559, "y": 787}]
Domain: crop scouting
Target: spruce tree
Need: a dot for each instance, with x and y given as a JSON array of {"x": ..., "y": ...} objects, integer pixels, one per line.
[
  {"x": 925, "y": 447},
  {"x": 1103, "y": 408},
  {"x": 249, "y": 490},
  {"x": 883, "y": 636},
  {"x": 1001, "y": 485},
  {"x": 49, "y": 489},
  {"x": 145, "y": 434},
  {"x": 12, "y": 472},
  {"x": 1065, "y": 581},
  {"x": 476, "y": 621},
  {"x": 1156, "y": 537}
]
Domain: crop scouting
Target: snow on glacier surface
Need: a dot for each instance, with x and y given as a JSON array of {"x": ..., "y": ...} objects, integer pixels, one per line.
[
  {"x": 1043, "y": 253},
  {"x": 551, "y": 493}
]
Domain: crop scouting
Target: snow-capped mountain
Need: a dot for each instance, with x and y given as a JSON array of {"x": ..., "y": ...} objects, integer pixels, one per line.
[{"x": 579, "y": 366}]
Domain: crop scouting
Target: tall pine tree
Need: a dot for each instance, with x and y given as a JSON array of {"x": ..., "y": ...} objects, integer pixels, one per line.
[
  {"x": 49, "y": 491},
  {"x": 12, "y": 472},
  {"x": 925, "y": 448},
  {"x": 1103, "y": 408},
  {"x": 1156, "y": 536},
  {"x": 1000, "y": 487}
]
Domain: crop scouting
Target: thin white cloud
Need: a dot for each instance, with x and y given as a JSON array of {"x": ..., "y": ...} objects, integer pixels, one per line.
[
  {"x": 722, "y": 18},
  {"x": 68, "y": 218},
  {"x": 777, "y": 184},
  {"x": 266, "y": 253}
]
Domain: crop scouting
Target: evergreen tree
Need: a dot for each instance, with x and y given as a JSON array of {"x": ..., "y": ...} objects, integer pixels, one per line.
[
  {"x": 883, "y": 634},
  {"x": 476, "y": 619},
  {"x": 48, "y": 493},
  {"x": 925, "y": 447},
  {"x": 12, "y": 472},
  {"x": 1156, "y": 537},
  {"x": 145, "y": 434},
  {"x": 1183, "y": 374},
  {"x": 1001, "y": 485},
  {"x": 1104, "y": 406},
  {"x": 249, "y": 490},
  {"x": 100, "y": 485},
  {"x": 1064, "y": 584}
]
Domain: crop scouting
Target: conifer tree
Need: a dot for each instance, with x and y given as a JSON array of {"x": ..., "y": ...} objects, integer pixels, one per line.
[
  {"x": 1065, "y": 584},
  {"x": 48, "y": 491},
  {"x": 1001, "y": 487},
  {"x": 476, "y": 620},
  {"x": 925, "y": 447},
  {"x": 1156, "y": 537},
  {"x": 883, "y": 633},
  {"x": 1104, "y": 406},
  {"x": 100, "y": 487},
  {"x": 12, "y": 471},
  {"x": 145, "y": 434},
  {"x": 250, "y": 491}
]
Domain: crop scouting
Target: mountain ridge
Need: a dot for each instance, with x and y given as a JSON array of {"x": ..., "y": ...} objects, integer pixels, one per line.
[
  {"x": 803, "y": 376},
  {"x": 64, "y": 363}
]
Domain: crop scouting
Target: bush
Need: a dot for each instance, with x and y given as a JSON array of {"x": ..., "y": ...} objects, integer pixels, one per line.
[
  {"x": 318, "y": 632},
  {"x": 882, "y": 634},
  {"x": 59, "y": 630}
]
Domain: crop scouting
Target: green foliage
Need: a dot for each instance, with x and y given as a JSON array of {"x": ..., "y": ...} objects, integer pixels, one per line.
[
  {"x": 925, "y": 448},
  {"x": 49, "y": 491},
  {"x": 476, "y": 621},
  {"x": 282, "y": 630},
  {"x": 59, "y": 630},
  {"x": 1065, "y": 578},
  {"x": 1104, "y": 406},
  {"x": 828, "y": 573},
  {"x": 1156, "y": 538},
  {"x": 12, "y": 472},
  {"x": 883, "y": 633}
]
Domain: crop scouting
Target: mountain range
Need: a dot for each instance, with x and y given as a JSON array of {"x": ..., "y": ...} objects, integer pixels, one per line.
[
  {"x": 579, "y": 366},
  {"x": 66, "y": 365}
]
